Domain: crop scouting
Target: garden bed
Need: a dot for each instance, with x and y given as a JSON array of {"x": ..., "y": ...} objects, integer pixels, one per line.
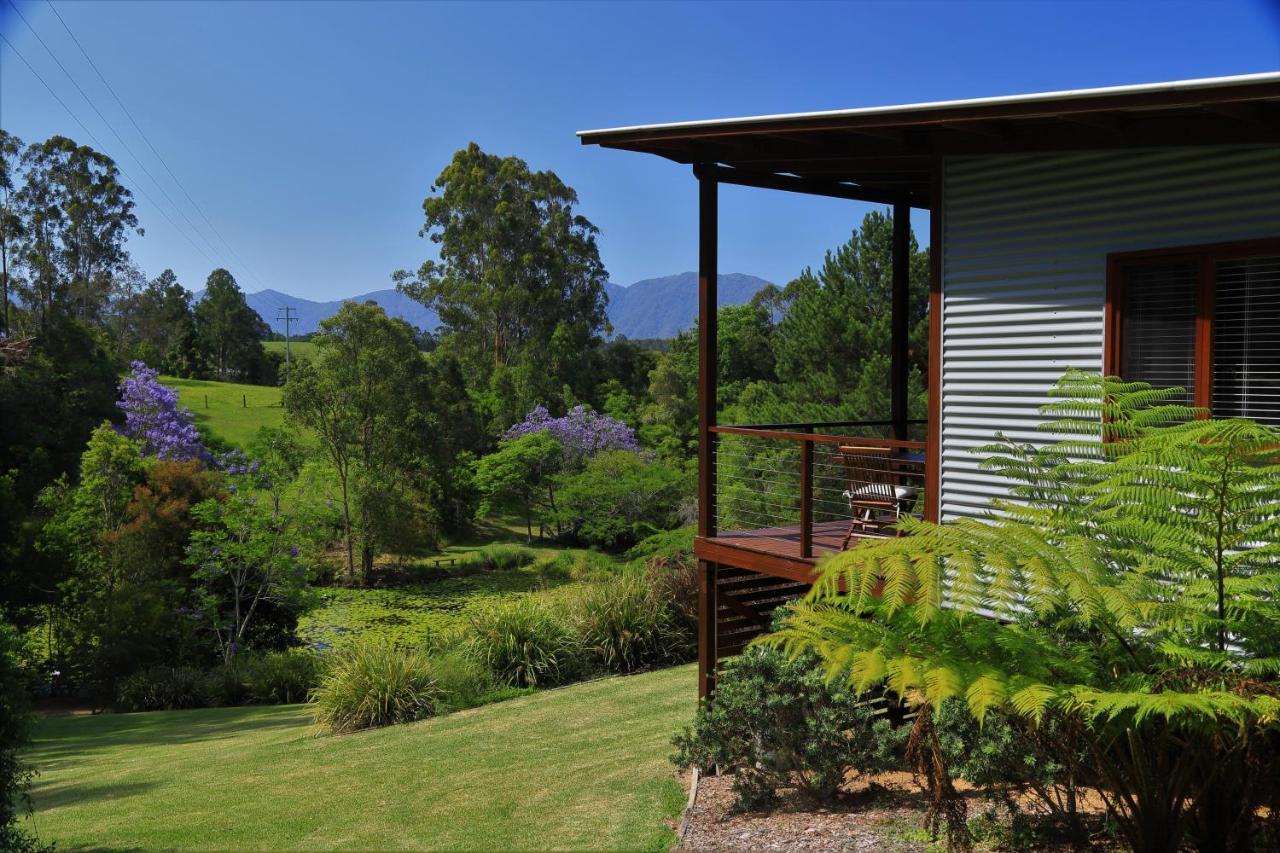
[{"x": 885, "y": 814}]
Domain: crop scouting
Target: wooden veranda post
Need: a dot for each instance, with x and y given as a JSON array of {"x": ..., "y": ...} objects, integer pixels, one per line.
[
  {"x": 899, "y": 369},
  {"x": 708, "y": 276}
]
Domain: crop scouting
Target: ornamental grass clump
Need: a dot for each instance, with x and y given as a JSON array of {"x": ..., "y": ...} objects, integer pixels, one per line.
[
  {"x": 374, "y": 684},
  {"x": 525, "y": 642},
  {"x": 623, "y": 625},
  {"x": 1137, "y": 571}
]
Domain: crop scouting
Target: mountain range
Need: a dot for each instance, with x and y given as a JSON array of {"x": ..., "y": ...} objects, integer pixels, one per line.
[{"x": 652, "y": 308}]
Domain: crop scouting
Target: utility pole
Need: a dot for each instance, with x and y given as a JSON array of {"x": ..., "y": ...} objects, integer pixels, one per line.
[{"x": 290, "y": 316}]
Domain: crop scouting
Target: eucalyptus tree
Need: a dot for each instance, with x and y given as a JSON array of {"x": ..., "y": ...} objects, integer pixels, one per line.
[
  {"x": 519, "y": 285},
  {"x": 77, "y": 218},
  {"x": 10, "y": 222},
  {"x": 361, "y": 394}
]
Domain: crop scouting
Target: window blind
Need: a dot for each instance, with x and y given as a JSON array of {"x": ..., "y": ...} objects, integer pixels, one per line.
[
  {"x": 1246, "y": 339},
  {"x": 1159, "y": 326}
]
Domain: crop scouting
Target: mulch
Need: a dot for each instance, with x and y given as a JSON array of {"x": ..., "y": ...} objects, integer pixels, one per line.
[{"x": 885, "y": 814}]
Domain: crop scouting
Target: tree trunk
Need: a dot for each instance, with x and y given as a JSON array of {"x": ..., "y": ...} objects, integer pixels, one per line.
[
  {"x": 366, "y": 563},
  {"x": 346, "y": 530}
]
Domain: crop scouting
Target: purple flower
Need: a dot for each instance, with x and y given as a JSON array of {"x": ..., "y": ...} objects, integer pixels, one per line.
[
  {"x": 152, "y": 416},
  {"x": 293, "y": 552},
  {"x": 582, "y": 432}
]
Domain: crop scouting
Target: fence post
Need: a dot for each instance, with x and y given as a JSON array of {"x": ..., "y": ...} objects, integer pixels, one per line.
[
  {"x": 806, "y": 497},
  {"x": 244, "y": 401}
]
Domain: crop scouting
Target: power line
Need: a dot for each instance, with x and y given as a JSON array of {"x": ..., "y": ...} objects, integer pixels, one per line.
[
  {"x": 98, "y": 142},
  {"x": 154, "y": 151},
  {"x": 111, "y": 128}
]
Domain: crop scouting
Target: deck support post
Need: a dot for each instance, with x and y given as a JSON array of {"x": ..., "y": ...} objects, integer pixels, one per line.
[
  {"x": 707, "y": 607},
  {"x": 900, "y": 369},
  {"x": 708, "y": 279}
]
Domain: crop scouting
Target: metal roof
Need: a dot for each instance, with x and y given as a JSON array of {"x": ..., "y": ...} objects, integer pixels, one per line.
[{"x": 889, "y": 153}]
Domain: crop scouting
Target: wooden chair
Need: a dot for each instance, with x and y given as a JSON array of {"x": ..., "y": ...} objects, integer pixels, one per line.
[{"x": 876, "y": 494}]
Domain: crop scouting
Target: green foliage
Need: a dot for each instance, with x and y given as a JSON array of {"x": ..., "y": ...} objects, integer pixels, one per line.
[
  {"x": 16, "y": 722},
  {"x": 520, "y": 476},
  {"x": 519, "y": 286},
  {"x": 363, "y": 395},
  {"x": 280, "y": 678},
  {"x": 230, "y": 333},
  {"x": 626, "y": 625},
  {"x": 162, "y": 688},
  {"x": 374, "y": 684},
  {"x": 1139, "y": 576},
  {"x": 243, "y": 557},
  {"x": 619, "y": 499},
  {"x": 525, "y": 642},
  {"x": 777, "y": 721}
]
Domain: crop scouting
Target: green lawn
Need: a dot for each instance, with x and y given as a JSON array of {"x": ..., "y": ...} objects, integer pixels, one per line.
[
  {"x": 584, "y": 767},
  {"x": 298, "y": 349},
  {"x": 227, "y": 410}
]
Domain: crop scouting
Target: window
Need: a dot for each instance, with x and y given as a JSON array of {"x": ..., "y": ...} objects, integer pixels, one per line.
[{"x": 1206, "y": 319}]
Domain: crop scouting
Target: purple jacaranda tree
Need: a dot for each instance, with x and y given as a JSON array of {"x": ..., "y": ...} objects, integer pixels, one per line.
[
  {"x": 582, "y": 432},
  {"x": 152, "y": 415}
]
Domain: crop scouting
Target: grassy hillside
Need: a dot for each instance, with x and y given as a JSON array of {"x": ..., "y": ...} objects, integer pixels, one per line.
[
  {"x": 230, "y": 411},
  {"x": 299, "y": 349},
  {"x": 584, "y": 767}
]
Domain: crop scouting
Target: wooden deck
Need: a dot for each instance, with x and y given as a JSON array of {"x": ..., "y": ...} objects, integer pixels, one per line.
[{"x": 773, "y": 550}]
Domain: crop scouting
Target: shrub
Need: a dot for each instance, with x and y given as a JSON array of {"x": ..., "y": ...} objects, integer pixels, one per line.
[
  {"x": 524, "y": 642},
  {"x": 225, "y": 686},
  {"x": 1012, "y": 758},
  {"x": 162, "y": 688},
  {"x": 502, "y": 557},
  {"x": 619, "y": 499},
  {"x": 1140, "y": 578},
  {"x": 777, "y": 722},
  {"x": 374, "y": 684},
  {"x": 461, "y": 679},
  {"x": 673, "y": 577},
  {"x": 279, "y": 678},
  {"x": 15, "y": 733},
  {"x": 623, "y": 626}
]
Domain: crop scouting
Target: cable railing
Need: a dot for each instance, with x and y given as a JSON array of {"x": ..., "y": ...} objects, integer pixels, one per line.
[{"x": 801, "y": 489}]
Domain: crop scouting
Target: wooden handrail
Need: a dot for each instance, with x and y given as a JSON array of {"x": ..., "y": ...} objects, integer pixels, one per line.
[
  {"x": 803, "y": 425},
  {"x": 753, "y": 432}
]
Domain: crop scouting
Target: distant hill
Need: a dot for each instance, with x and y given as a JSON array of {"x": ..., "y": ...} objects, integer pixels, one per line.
[
  {"x": 652, "y": 308},
  {"x": 661, "y": 307}
]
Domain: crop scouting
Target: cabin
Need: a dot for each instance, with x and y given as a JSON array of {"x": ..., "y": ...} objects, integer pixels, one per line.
[{"x": 1133, "y": 230}]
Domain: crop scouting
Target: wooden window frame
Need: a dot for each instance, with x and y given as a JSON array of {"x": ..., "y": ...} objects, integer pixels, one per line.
[{"x": 1206, "y": 255}]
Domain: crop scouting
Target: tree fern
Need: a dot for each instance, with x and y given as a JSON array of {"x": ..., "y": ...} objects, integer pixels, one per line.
[{"x": 1131, "y": 581}]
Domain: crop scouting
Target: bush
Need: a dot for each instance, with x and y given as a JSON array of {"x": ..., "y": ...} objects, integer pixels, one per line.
[
  {"x": 162, "y": 688},
  {"x": 225, "y": 686},
  {"x": 461, "y": 679},
  {"x": 374, "y": 684},
  {"x": 1012, "y": 756},
  {"x": 16, "y": 721},
  {"x": 619, "y": 499},
  {"x": 777, "y": 722},
  {"x": 624, "y": 626},
  {"x": 524, "y": 642},
  {"x": 673, "y": 577},
  {"x": 502, "y": 557},
  {"x": 280, "y": 678}
]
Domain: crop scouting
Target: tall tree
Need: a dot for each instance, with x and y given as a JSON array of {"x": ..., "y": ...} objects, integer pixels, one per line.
[
  {"x": 361, "y": 394},
  {"x": 78, "y": 216},
  {"x": 519, "y": 280},
  {"x": 10, "y": 222},
  {"x": 230, "y": 332}
]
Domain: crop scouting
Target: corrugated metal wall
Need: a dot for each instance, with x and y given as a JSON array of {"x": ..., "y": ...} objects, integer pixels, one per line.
[{"x": 1024, "y": 273}]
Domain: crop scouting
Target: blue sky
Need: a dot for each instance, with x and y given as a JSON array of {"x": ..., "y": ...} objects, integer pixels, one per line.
[{"x": 308, "y": 133}]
